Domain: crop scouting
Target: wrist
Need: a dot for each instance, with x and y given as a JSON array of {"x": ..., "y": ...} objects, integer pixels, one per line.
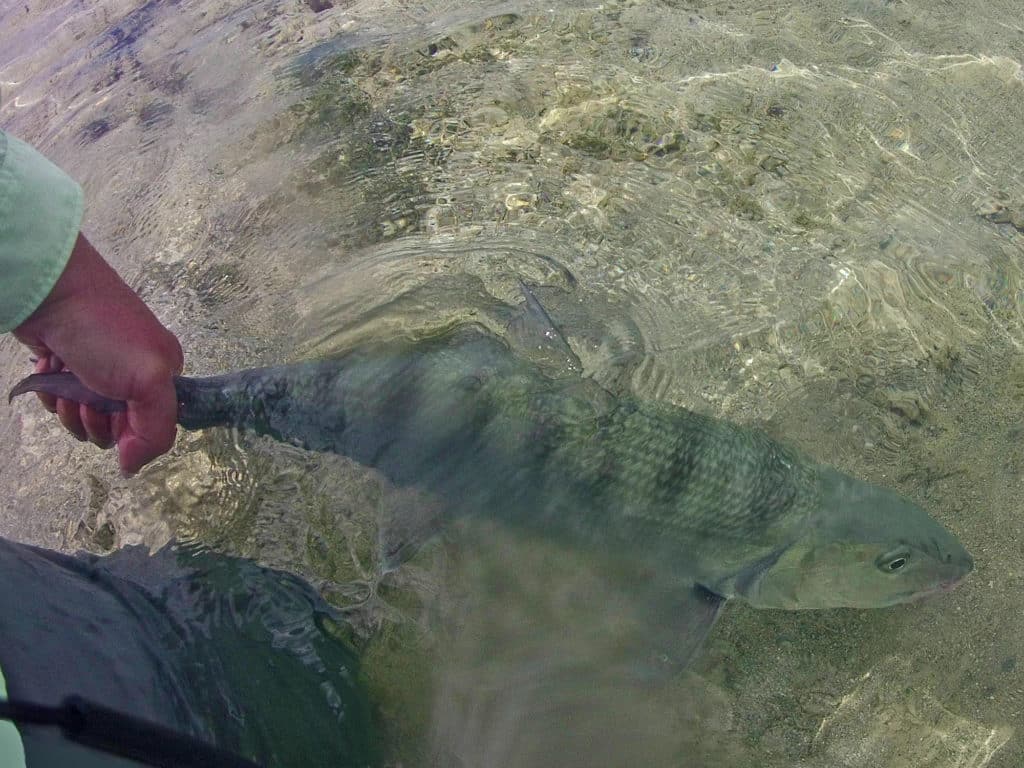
[{"x": 86, "y": 276}]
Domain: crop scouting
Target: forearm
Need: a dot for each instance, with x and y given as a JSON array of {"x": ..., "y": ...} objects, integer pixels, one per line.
[
  {"x": 72, "y": 309},
  {"x": 88, "y": 287}
]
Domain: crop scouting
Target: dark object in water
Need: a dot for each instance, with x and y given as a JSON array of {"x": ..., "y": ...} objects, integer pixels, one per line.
[{"x": 186, "y": 643}]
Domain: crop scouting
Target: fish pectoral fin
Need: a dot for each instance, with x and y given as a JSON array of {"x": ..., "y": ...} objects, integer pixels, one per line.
[
  {"x": 534, "y": 332},
  {"x": 66, "y": 385},
  {"x": 681, "y": 618}
]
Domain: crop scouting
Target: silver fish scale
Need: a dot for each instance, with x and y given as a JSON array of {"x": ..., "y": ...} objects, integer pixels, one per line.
[
  {"x": 683, "y": 475},
  {"x": 465, "y": 419}
]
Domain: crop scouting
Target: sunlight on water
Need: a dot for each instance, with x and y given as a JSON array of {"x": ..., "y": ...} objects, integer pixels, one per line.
[
  {"x": 808, "y": 218},
  {"x": 871, "y": 726}
]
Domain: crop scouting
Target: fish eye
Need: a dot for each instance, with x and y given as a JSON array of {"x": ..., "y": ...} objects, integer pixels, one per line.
[{"x": 891, "y": 562}]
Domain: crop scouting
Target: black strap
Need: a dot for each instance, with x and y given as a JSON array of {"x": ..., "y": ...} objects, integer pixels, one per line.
[{"x": 91, "y": 725}]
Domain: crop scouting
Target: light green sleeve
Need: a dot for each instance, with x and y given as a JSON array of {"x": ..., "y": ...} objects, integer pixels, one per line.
[
  {"x": 12, "y": 751},
  {"x": 40, "y": 212}
]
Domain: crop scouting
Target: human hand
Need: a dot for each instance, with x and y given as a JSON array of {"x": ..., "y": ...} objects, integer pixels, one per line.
[{"x": 94, "y": 325}]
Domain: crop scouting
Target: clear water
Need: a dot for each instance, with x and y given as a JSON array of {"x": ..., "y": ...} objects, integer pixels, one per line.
[{"x": 805, "y": 216}]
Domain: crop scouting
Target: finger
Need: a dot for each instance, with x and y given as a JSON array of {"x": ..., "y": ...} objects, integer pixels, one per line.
[
  {"x": 97, "y": 426},
  {"x": 151, "y": 425},
  {"x": 49, "y": 402},
  {"x": 67, "y": 412}
]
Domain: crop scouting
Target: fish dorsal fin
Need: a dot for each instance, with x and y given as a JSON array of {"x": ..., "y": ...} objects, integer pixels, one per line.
[{"x": 534, "y": 333}]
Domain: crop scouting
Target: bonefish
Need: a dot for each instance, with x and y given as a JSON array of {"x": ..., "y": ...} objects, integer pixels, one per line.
[{"x": 716, "y": 510}]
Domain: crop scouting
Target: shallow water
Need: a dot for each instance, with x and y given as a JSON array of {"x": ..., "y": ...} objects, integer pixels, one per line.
[{"x": 806, "y": 217}]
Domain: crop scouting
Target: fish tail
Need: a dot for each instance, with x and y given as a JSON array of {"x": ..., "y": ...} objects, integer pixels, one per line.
[
  {"x": 201, "y": 402},
  {"x": 66, "y": 385}
]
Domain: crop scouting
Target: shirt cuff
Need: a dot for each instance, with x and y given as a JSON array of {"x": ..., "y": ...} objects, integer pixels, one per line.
[{"x": 40, "y": 215}]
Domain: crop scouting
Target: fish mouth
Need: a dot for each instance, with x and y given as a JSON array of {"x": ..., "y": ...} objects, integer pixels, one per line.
[{"x": 943, "y": 587}]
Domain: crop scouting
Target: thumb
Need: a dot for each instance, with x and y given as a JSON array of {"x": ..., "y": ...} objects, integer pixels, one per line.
[{"x": 149, "y": 426}]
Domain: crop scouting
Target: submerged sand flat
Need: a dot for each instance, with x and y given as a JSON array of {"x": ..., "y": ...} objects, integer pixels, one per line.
[{"x": 807, "y": 217}]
